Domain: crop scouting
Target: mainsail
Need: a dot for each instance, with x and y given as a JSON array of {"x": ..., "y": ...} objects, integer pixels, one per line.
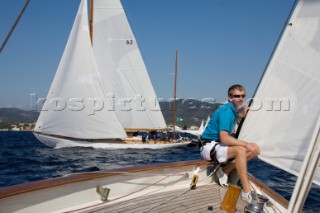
[
  {"x": 286, "y": 104},
  {"x": 77, "y": 105},
  {"x": 120, "y": 62}
]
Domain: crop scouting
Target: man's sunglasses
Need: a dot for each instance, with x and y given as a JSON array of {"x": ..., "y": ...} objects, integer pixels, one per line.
[{"x": 238, "y": 96}]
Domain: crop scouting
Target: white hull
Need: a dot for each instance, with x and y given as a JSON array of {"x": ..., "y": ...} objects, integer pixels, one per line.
[
  {"x": 77, "y": 193},
  {"x": 62, "y": 142}
]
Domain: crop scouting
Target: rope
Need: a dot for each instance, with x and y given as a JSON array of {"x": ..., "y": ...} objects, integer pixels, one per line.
[
  {"x": 174, "y": 197},
  {"x": 126, "y": 195}
]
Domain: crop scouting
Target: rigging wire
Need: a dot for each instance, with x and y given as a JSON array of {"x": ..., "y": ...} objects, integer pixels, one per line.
[{"x": 14, "y": 25}]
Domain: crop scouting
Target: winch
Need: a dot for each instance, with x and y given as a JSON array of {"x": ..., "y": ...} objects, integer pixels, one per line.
[{"x": 257, "y": 203}]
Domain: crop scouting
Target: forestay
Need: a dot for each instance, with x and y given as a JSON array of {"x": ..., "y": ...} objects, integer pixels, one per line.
[
  {"x": 76, "y": 105},
  {"x": 120, "y": 61},
  {"x": 283, "y": 116}
]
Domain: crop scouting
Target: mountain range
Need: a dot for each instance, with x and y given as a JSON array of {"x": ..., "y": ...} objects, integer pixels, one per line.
[{"x": 189, "y": 112}]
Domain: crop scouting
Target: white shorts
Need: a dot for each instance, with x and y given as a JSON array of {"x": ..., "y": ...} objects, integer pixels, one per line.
[{"x": 221, "y": 151}]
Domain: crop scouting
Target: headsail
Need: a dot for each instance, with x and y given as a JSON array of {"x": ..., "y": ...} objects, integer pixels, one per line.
[
  {"x": 286, "y": 106},
  {"x": 119, "y": 59},
  {"x": 201, "y": 128},
  {"x": 77, "y": 105},
  {"x": 207, "y": 122}
]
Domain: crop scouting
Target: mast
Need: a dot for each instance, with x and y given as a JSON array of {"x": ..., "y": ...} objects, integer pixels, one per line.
[
  {"x": 14, "y": 25},
  {"x": 91, "y": 19},
  {"x": 175, "y": 96}
]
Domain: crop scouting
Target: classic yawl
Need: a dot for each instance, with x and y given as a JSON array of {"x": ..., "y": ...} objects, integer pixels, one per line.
[
  {"x": 289, "y": 138},
  {"x": 101, "y": 89}
]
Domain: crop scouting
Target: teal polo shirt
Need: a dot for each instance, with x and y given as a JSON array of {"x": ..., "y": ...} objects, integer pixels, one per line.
[{"x": 222, "y": 120}]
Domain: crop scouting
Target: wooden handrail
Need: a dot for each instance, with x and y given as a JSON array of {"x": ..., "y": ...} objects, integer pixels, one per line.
[{"x": 281, "y": 200}]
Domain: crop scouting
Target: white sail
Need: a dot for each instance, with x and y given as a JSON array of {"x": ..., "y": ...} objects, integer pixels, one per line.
[
  {"x": 201, "y": 128},
  {"x": 136, "y": 103},
  {"x": 308, "y": 170},
  {"x": 208, "y": 120},
  {"x": 77, "y": 105},
  {"x": 286, "y": 107}
]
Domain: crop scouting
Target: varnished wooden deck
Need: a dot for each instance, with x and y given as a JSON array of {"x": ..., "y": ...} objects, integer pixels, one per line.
[{"x": 203, "y": 199}]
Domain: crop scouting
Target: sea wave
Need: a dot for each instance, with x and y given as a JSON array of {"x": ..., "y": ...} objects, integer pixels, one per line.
[{"x": 24, "y": 159}]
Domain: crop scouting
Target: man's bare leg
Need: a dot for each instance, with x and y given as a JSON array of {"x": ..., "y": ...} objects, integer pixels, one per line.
[{"x": 240, "y": 163}]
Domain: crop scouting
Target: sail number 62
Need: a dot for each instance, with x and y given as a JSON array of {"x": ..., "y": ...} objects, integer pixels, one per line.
[{"x": 129, "y": 42}]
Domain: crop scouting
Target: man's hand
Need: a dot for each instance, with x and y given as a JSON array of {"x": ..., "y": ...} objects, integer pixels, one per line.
[
  {"x": 243, "y": 113},
  {"x": 254, "y": 148}
]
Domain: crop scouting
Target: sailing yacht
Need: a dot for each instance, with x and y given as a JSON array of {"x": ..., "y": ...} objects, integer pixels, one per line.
[{"x": 101, "y": 90}]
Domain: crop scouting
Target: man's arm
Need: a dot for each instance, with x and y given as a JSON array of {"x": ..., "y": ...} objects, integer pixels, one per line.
[{"x": 231, "y": 141}]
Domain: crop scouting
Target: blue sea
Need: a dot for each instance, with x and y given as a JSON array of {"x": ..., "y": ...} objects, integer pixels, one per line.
[{"x": 24, "y": 159}]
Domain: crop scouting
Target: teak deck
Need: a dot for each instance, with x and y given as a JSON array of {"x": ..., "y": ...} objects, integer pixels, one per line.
[{"x": 203, "y": 199}]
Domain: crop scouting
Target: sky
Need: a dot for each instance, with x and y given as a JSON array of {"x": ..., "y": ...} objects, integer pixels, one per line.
[{"x": 220, "y": 43}]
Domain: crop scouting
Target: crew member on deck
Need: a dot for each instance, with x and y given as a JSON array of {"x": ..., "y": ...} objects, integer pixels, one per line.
[{"x": 217, "y": 143}]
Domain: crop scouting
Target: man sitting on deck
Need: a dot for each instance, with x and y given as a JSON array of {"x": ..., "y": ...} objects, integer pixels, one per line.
[{"x": 218, "y": 142}]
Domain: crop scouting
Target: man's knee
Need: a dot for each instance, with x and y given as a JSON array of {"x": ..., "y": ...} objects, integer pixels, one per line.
[
  {"x": 251, "y": 155},
  {"x": 241, "y": 151}
]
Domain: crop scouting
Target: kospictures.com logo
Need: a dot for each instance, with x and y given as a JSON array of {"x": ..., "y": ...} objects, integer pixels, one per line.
[{"x": 139, "y": 103}]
